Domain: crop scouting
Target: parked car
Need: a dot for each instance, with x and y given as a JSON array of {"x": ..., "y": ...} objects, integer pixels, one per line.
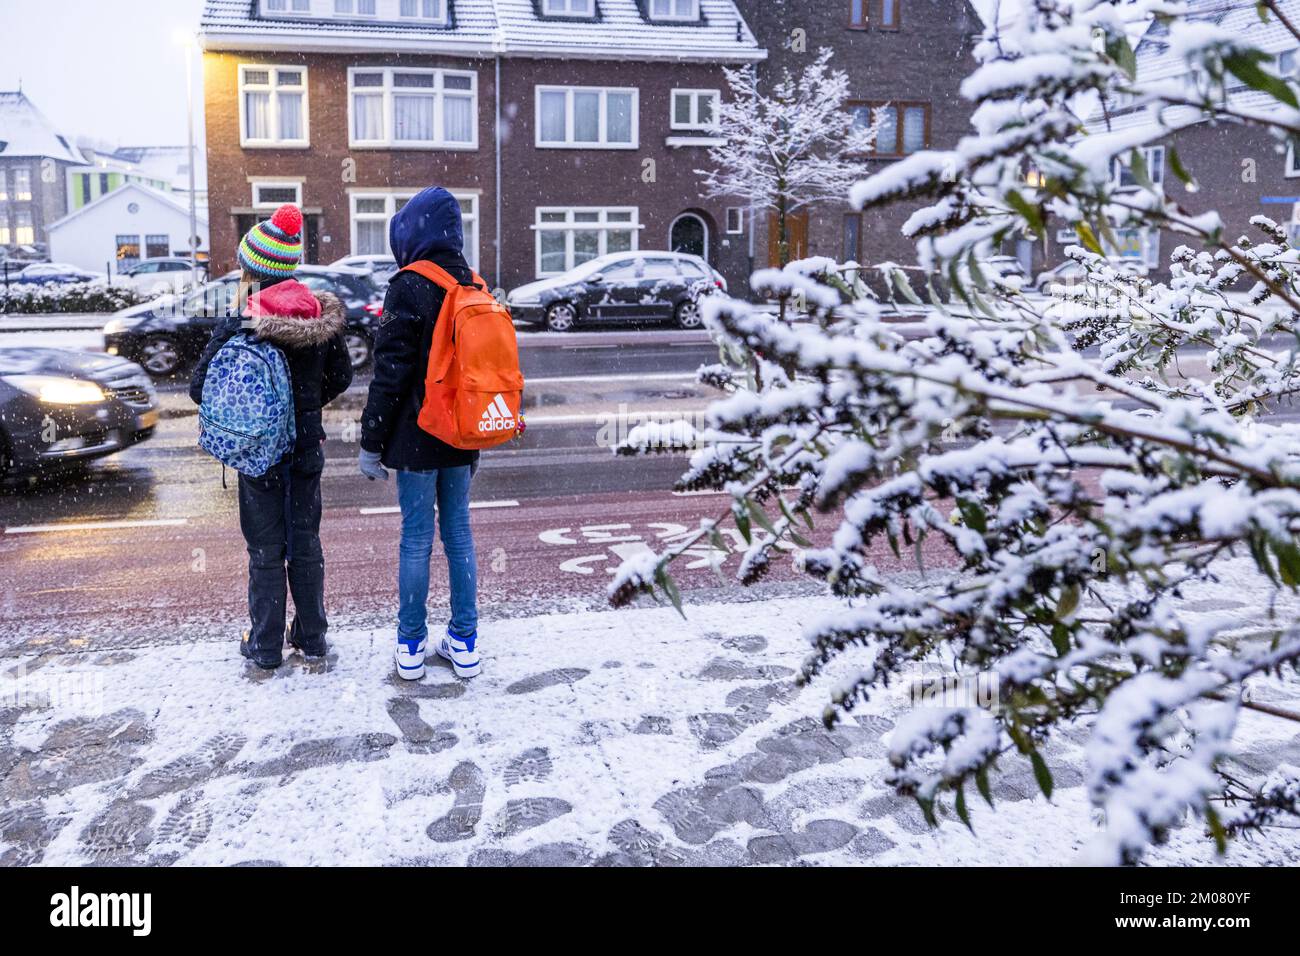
[
  {"x": 1069, "y": 272},
  {"x": 159, "y": 276},
  {"x": 620, "y": 287},
  {"x": 168, "y": 334},
  {"x": 60, "y": 407},
  {"x": 54, "y": 273},
  {"x": 377, "y": 265}
]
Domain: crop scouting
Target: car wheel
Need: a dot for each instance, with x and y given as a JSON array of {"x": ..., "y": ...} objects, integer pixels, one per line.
[
  {"x": 359, "y": 348},
  {"x": 688, "y": 314},
  {"x": 561, "y": 316},
  {"x": 160, "y": 355}
]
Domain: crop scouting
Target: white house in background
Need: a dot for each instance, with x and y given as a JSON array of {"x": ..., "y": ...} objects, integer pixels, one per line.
[{"x": 122, "y": 227}]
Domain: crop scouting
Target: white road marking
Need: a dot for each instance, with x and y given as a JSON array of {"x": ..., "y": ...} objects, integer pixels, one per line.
[
  {"x": 597, "y": 418},
  {"x": 97, "y": 525},
  {"x": 394, "y": 509},
  {"x": 655, "y": 377}
]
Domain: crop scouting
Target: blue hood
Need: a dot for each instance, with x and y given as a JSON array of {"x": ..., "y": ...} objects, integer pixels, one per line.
[{"x": 427, "y": 227}]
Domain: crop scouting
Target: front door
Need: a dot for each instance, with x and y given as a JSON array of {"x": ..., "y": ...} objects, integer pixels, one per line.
[
  {"x": 796, "y": 224},
  {"x": 689, "y": 235}
]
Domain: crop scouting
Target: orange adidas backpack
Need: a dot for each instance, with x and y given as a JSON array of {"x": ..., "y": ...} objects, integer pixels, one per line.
[{"x": 473, "y": 391}]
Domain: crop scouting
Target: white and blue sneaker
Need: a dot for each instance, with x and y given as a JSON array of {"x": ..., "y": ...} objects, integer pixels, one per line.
[
  {"x": 410, "y": 658},
  {"x": 462, "y": 652}
]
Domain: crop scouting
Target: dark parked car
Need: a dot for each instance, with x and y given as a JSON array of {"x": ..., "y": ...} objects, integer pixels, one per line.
[
  {"x": 168, "y": 334},
  {"x": 60, "y": 407},
  {"x": 620, "y": 287}
]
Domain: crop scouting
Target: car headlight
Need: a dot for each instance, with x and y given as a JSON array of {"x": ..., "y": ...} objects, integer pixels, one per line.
[
  {"x": 115, "y": 325},
  {"x": 53, "y": 390}
]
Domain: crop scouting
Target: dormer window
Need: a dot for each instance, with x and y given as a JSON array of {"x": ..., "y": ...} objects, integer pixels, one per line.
[
  {"x": 422, "y": 9},
  {"x": 287, "y": 6},
  {"x": 679, "y": 10},
  {"x": 569, "y": 8},
  {"x": 360, "y": 8}
]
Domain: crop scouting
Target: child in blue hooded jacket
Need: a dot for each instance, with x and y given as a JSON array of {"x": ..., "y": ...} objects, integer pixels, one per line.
[{"x": 433, "y": 478}]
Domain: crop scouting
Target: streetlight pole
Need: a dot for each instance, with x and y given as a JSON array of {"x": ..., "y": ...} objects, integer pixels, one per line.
[{"x": 189, "y": 106}]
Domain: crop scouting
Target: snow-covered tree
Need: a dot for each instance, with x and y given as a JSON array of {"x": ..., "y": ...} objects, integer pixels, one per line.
[
  {"x": 1086, "y": 501},
  {"x": 788, "y": 147}
]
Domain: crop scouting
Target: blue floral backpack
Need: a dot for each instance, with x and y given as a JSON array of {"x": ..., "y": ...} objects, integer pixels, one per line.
[{"x": 246, "y": 417}]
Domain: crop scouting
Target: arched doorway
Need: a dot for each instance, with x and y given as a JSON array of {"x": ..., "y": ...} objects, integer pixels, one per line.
[{"x": 689, "y": 233}]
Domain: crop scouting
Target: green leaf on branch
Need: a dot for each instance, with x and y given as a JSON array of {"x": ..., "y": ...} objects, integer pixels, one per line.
[
  {"x": 1041, "y": 773},
  {"x": 1027, "y": 210},
  {"x": 1176, "y": 164},
  {"x": 1121, "y": 51},
  {"x": 1245, "y": 66},
  {"x": 1088, "y": 238},
  {"x": 982, "y": 784},
  {"x": 669, "y": 586}
]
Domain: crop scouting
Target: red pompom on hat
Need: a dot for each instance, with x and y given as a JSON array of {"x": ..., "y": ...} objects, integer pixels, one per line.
[{"x": 288, "y": 219}]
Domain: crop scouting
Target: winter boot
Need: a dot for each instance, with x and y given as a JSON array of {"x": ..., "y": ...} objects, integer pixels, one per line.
[
  {"x": 462, "y": 652},
  {"x": 410, "y": 658},
  {"x": 266, "y": 658},
  {"x": 311, "y": 647}
]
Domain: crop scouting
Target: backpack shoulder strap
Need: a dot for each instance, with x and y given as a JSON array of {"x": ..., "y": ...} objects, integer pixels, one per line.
[{"x": 433, "y": 272}]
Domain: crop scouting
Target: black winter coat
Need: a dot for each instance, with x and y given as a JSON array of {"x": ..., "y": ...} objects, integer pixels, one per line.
[
  {"x": 389, "y": 423},
  {"x": 314, "y": 348}
]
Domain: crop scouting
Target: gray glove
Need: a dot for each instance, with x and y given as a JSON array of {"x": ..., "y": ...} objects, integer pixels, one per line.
[{"x": 371, "y": 466}]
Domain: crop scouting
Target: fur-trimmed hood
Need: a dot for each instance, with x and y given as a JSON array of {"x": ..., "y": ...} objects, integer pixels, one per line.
[{"x": 291, "y": 315}]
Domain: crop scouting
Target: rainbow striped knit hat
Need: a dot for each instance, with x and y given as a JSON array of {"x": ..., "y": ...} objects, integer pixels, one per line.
[{"x": 273, "y": 249}]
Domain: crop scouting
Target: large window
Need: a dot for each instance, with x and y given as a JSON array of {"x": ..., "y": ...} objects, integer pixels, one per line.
[
  {"x": 695, "y": 109},
  {"x": 568, "y": 8},
  {"x": 412, "y": 109},
  {"x": 273, "y": 106},
  {"x": 372, "y": 211},
  {"x": 586, "y": 116},
  {"x": 24, "y": 229},
  {"x": 674, "y": 9},
  {"x": 568, "y": 237},
  {"x": 22, "y": 184},
  {"x": 4, "y": 186},
  {"x": 5, "y": 237},
  {"x": 156, "y": 246},
  {"x": 905, "y": 127}
]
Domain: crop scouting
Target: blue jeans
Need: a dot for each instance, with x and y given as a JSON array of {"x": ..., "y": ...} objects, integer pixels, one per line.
[{"x": 420, "y": 494}]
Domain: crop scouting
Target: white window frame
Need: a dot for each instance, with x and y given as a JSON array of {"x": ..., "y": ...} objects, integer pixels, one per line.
[
  {"x": 739, "y": 213},
  {"x": 287, "y": 7},
  {"x": 1155, "y": 160},
  {"x": 569, "y": 142},
  {"x": 21, "y": 175},
  {"x": 589, "y": 11},
  {"x": 672, "y": 15},
  {"x": 354, "y": 9},
  {"x": 274, "y": 90},
  {"x": 1292, "y": 166},
  {"x": 255, "y": 183},
  {"x": 392, "y": 196},
  {"x": 387, "y": 92},
  {"x": 29, "y": 227},
  {"x": 5, "y": 236},
  {"x": 604, "y": 226},
  {"x": 694, "y": 122}
]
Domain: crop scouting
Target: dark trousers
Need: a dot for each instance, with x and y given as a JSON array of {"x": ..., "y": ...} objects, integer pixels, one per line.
[{"x": 279, "y": 514}]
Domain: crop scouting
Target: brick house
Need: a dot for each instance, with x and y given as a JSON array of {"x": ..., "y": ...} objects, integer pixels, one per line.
[
  {"x": 907, "y": 55},
  {"x": 567, "y": 128},
  {"x": 34, "y": 164},
  {"x": 1241, "y": 171}
]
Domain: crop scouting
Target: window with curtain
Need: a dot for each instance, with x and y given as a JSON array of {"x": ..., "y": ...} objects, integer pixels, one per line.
[
  {"x": 5, "y": 238},
  {"x": 695, "y": 109},
  {"x": 413, "y": 108},
  {"x": 568, "y": 8},
  {"x": 904, "y": 129},
  {"x": 424, "y": 9},
  {"x": 24, "y": 229},
  {"x": 568, "y": 237},
  {"x": 586, "y": 116},
  {"x": 372, "y": 211},
  {"x": 273, "y": 101}
]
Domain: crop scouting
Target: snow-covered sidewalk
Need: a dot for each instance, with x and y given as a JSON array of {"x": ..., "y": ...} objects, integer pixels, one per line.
[{"x": 626, "y": 737}]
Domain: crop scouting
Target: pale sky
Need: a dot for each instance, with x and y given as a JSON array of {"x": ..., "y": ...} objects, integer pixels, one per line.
[{"x": 107, "y": 69}]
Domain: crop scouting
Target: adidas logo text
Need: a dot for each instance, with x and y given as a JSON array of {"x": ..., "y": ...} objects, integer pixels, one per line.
[{"x": 497, "y": 417}]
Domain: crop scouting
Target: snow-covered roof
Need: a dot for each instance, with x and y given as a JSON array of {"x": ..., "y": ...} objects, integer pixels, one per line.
[
  {"x": 140, "y": 190},
  {"x": 168, "y": 163},
  {"x": 490, "y": 27},
  {"x": 1157, "y": 61},
  {"x": 24, "y": 131}
]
